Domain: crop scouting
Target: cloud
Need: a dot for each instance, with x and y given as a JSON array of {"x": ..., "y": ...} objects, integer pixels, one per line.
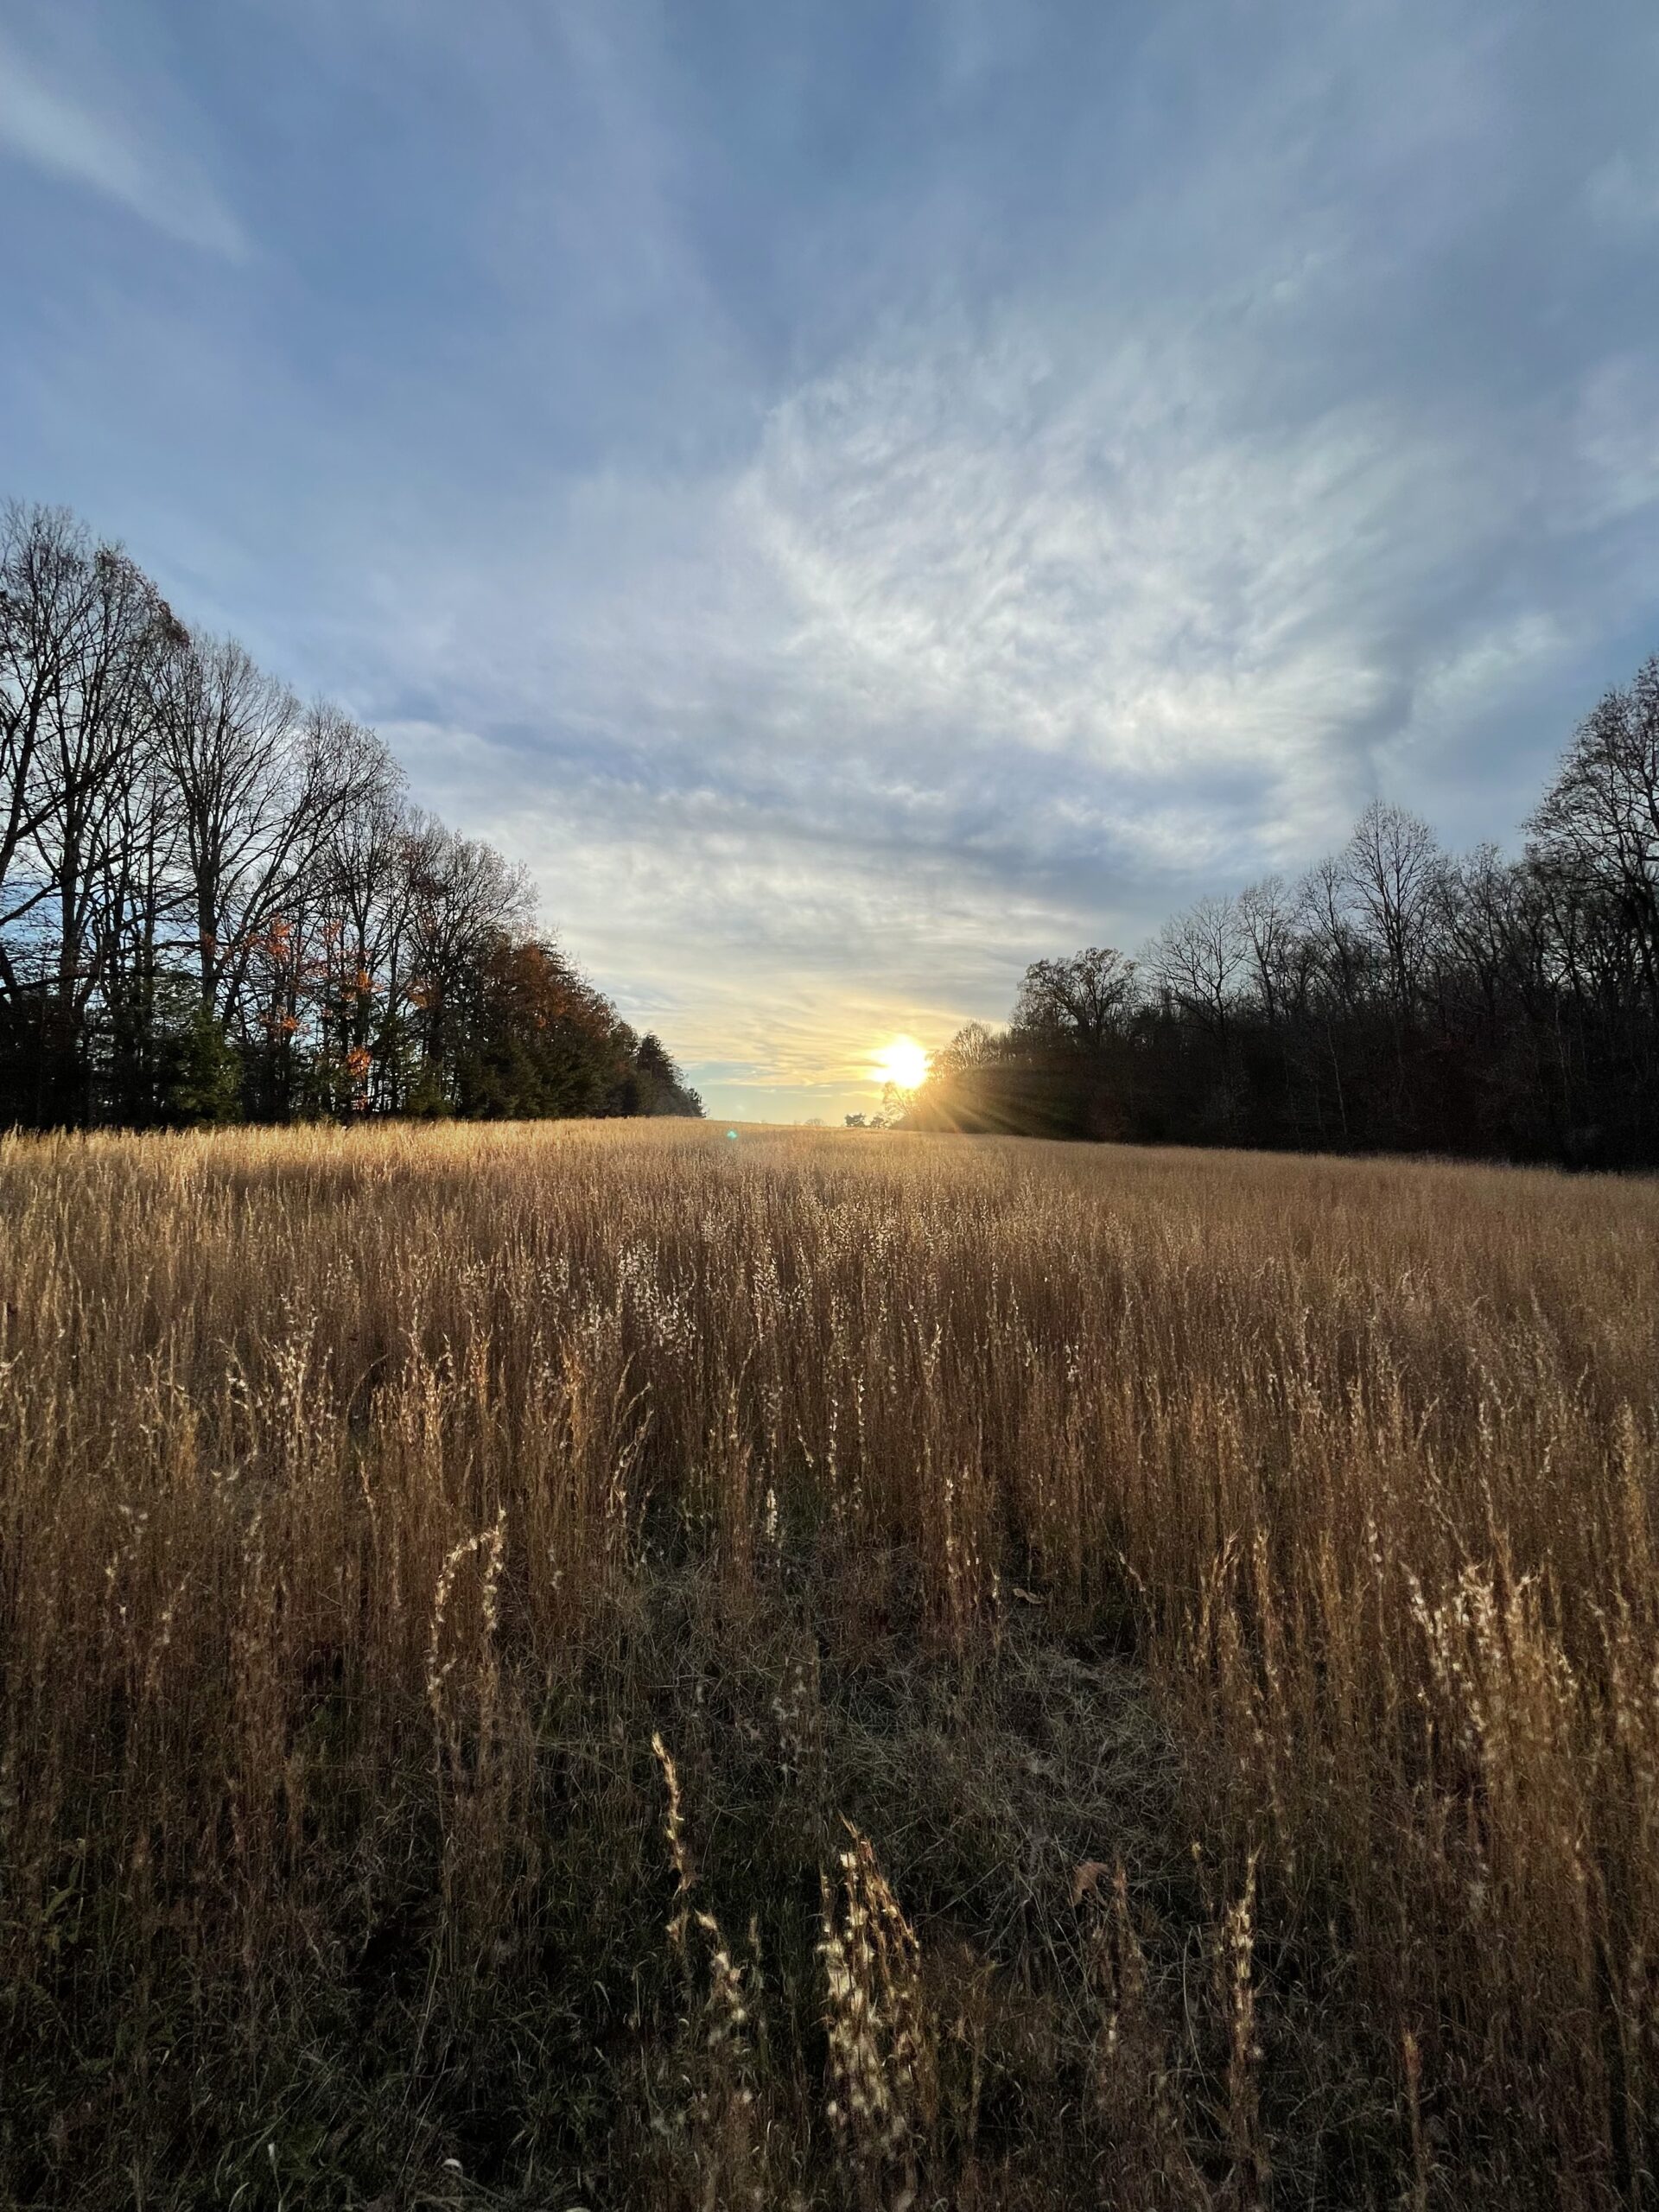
[
  {"x": 1618, "y": 437},
  {"x": 63, "y": 137},
  {"x": 857, "y": 508},
  {"x": 993, "y": 643}
]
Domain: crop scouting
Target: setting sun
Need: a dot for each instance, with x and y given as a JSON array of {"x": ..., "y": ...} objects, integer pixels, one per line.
[{"x": 903, "y": 1062}]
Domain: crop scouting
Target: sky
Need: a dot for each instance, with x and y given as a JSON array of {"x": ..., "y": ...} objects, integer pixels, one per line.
[{"x": 860, "y": 497}]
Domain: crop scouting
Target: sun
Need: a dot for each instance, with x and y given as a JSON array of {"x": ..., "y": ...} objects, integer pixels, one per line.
[{"x": 904, "y": 1062}]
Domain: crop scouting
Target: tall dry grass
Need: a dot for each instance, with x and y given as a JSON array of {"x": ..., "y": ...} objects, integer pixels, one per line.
[{"x": 1157, "y": 1655}]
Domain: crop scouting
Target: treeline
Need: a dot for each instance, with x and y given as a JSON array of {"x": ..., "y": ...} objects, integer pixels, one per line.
[
  {"x": 1397, "y": 999},
  {"x": 217, "y": 902}
]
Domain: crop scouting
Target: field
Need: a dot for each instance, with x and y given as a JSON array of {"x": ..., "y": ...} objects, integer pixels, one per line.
[{"x": 600, "y": 1665}]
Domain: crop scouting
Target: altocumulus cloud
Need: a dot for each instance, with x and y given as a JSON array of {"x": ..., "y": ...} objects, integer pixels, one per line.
[{"x": 856, "y": 508}]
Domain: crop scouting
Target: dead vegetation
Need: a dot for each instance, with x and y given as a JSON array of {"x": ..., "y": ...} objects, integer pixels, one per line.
[{"x": 595, "y": 1665}]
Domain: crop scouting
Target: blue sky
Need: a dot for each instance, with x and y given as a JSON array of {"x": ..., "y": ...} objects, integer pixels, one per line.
[{"x": 860, "y": 496}]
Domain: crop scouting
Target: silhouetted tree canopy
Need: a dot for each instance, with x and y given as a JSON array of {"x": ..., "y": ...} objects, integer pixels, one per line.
[
  {"x": 1399, "y": 998},
  {"x": 216, "y": 902}
]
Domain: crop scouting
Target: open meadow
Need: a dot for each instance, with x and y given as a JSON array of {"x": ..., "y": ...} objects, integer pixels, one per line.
[{"x": 598, "y": 1664}]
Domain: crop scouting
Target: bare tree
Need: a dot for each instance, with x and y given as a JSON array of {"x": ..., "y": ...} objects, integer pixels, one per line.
[
  {"x": 462, "y": 894},
  {"x": 1393, "y": 866},
  {"x": 1325, "y": 921},
  {"x": 973, "y": 1045},
  {"x": 1599, "y": 824},
  {"x": 1197, "y": 959},
  {"x": 134, "y": 915},
  {"x": 367, "y": 894},
  {"x": 80, "y": 627},
  {"x": 1266, "y": 919},
  {"x": 43, "y": 578},
  {"x": 1080, "y": 1001},
  {"x": 262, "y": 785}
]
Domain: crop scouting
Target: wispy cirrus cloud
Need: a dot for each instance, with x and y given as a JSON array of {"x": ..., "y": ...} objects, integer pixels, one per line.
[{"x": 95, "y": 145}]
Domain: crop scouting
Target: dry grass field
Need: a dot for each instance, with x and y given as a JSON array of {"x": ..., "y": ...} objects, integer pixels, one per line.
[{"x": 600, "y": 1665}]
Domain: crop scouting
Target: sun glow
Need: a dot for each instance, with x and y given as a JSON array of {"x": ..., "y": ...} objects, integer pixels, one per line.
[{"x": 903, "y": 1062}]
